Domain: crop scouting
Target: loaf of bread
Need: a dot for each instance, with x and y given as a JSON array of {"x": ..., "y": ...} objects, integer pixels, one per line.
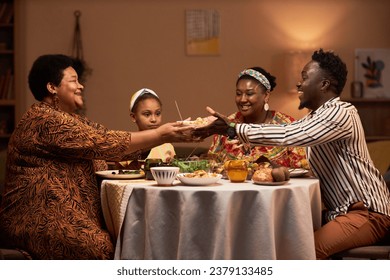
[
  {"x": 263, "y": 173},
  {"x": 267, "y": 173}
]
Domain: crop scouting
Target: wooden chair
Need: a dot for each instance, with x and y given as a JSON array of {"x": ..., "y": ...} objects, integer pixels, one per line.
[
  {"x": 7, "y": 253},
  {"x": 374, "y": 252},
  {"x": 379, "y": 251},
  {"x": 12, "y": 254},
  {"x": 380, "y": 154}
]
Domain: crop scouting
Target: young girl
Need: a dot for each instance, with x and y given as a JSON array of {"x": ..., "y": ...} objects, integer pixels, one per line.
[{"x": 146, "y": 111}]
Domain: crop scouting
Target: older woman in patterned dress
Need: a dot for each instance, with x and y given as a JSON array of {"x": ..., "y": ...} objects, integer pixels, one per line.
[{"x": 51, "y": 204}]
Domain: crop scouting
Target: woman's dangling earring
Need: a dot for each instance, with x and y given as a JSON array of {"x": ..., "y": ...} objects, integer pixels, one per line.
[
  {"x": 56, "y": 101},
  {"x": 266, "y": 106}
]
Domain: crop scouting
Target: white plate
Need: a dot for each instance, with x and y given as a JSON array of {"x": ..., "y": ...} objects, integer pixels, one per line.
[
  {"x": 297, "y": 172},
  {"x": 199, "y": 122},
  {"x": 114, "y": 174},
  {"x": 198, "y": 181},
  {"x": 270, "y": 183}
]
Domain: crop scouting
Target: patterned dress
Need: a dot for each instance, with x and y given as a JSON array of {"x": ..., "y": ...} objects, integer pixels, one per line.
[
  {"x": 51, "y": 203},
  {"x": 222, "y": 148}
]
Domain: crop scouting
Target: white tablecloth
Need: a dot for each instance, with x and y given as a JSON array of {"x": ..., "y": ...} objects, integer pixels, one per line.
[{"x": 222, "y": 221}]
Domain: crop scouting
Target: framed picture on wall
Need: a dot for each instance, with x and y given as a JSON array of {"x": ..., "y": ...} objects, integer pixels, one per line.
[
  {"x": 202, "y": 32},
  {"x": 372, "y": 69}
]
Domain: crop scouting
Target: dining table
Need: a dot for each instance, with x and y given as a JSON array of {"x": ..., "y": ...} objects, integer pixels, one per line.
[{"x": 222, "y": 221}]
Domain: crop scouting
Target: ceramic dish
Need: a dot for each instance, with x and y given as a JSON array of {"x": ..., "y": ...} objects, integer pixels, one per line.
[
  {"x": 199, "y": 122},
  {"x": 270, "y": 183},
  {"x": 114, "y": 174},
  {"x": 203, "y": 181},
  {"x": 297, "y": 172},
  {"x": 164, "y": 175}
]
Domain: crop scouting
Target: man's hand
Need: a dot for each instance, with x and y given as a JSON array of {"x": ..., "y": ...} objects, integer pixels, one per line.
[
  {"x": 176, "y": 132},
  {"x": 218, "y": 124}
]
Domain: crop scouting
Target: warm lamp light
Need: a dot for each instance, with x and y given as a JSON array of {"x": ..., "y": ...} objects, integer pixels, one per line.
[{"x": 295, "y": 61}]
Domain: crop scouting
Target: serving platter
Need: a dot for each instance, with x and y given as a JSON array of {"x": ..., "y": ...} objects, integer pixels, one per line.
[
  {"x": 198, "y": 181},
  {"x": 199, "y": 122},
  {"x": 297, "y": 172},
  {"x": 270, "y": 183},
  {"x": 114, "y": 174}
]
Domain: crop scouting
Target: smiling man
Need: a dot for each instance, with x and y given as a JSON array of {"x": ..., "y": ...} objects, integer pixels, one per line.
[{"x": 355, "y": 194}]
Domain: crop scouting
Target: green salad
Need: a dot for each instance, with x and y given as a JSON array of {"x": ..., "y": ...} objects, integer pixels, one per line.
[{"x": 189, "y": 166}]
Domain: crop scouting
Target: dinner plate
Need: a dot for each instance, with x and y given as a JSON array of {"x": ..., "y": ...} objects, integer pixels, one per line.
[
  {"x": 270, "y": 183},
  {"x": 204, "y": 181},
  {"x": 114, "y": 174},
  {"x": 297, "y": 172},
  {"x": 199, "y": 122}
]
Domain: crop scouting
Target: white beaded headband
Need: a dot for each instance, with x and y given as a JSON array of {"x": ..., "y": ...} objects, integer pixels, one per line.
[
  {"x": 258, "y": 76},
  {"x": 140, "y": 93}
]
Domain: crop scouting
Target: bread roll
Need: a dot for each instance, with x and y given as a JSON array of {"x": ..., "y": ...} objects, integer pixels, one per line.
[{"x": 263, "y": 175}]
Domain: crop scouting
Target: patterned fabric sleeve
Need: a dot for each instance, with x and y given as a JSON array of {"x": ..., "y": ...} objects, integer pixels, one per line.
[
  {"x": 69, "y": 136},
  {"x": 223, "y": 149}
]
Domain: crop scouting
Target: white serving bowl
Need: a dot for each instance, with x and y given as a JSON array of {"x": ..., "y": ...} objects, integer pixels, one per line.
[
  {"x": 164, "y": 175},
  {"x": 203, "y": 181}
]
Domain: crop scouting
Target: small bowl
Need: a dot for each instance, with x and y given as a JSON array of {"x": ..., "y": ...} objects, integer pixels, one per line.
[{"x": 164, "y": 175}]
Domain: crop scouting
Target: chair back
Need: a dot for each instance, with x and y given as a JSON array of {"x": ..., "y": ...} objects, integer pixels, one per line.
[{"x": 380, "y": 154}]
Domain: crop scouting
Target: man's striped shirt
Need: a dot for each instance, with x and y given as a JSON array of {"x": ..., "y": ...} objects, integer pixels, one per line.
[{"x": 337, "y": 153}]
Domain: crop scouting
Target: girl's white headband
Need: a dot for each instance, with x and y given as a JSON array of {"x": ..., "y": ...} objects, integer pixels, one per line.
[{"x": 138, "y": 94}]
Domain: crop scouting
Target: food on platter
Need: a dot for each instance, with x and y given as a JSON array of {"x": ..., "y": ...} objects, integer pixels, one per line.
[
  {"x": 198, "y": 178},
  {"x": 198, "y": 122},
  {"x": 121, "y": 174},
  {"x": 298, "y": 172},
  {"x": 266, "y": 172},
  {"x": 270, "y": 183},
  {"x": 263, "y": 174},
  {"x": 200, "y": 174},
  {"x": 121, "y": 171}
]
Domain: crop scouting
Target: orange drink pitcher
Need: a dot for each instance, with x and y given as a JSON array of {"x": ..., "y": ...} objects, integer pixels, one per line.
[{"x": 237, "y": 170}]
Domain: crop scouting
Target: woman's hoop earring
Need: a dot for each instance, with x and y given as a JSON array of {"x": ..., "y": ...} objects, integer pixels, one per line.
[{"x": 266, "y": 106}]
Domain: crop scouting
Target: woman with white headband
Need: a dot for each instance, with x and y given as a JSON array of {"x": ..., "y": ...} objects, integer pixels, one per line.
[
  {"x": 253, "y": 89},
  {"x": 146, "y": 112}
]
